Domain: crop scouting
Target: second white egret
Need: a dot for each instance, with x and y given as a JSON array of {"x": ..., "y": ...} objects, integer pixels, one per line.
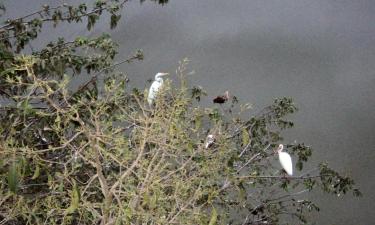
[
  {"x": 155, "y": 86},
  {"x": 285, "y": 160}
]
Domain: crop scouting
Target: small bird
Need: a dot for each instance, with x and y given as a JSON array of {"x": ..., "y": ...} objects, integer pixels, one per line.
[
  {"x": 221, "y": 98},
  {"x": 209, "y": 141},
  {"x": 155, "y": 86},
  {"x": 285, "y": 160}
]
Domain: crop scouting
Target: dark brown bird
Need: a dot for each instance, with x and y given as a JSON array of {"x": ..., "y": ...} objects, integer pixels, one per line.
[{"x": 221, "y": 98}]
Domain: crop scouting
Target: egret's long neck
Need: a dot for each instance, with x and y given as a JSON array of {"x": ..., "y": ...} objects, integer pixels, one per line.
[{"x": 158, "y": 77}]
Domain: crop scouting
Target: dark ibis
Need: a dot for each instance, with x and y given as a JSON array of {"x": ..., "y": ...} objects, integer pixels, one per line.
[{"x": 221, "y": 98}]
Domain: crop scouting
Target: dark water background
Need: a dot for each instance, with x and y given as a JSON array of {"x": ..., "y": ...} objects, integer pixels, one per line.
[{"x": 321, "y": 53}]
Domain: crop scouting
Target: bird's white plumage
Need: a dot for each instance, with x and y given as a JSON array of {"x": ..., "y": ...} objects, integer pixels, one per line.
[
  {"x": 155, "y": 86},
  {"x": 209, "y": 141},
  {"x": 285, "y": 160}
]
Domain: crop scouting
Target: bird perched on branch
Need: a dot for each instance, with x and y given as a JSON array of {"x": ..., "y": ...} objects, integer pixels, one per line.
[
  {"x": 155, "y": 86},
  {"x": 221, "y": 98},
  {"x": 285, "y": 160}
]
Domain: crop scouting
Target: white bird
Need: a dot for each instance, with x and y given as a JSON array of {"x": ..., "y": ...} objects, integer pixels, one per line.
[
  {"x": 209, "y": 141},
  {"x": 155, "y": 86},
  {"x": 285, "y": 160}
]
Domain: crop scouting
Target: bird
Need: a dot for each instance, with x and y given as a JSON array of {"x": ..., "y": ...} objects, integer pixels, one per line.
[
  {"x": 209, "y": 141},
  {"x": 155, "y": 86},
  {"x": 221, "y": 98},
  {"x": 285, "y": 160}
]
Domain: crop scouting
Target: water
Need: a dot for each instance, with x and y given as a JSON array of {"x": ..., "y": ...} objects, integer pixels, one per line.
[{"x": 320, "y": 52}]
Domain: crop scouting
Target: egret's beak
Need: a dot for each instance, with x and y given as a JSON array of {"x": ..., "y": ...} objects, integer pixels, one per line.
[{"x": 164, "y": 74}]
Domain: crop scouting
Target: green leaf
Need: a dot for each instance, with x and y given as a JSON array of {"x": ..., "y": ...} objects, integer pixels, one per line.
[
  {"x": 74, "y": 200},
  {"x": 25, "y": 106},
  {"x": 49, "y": 180},
  {"x": 245, "y": 137},
  {"x": 299, "y": 165},
  {"x": 91, "y": 20},
  {"x": 13, "y": 177},
  {"x": 36, "y": 172},
  {"x": 213, "y": 219},
  {"x": 114, "y": 20},
  {"x": 153, "y": 201},
  {"x": 79, "y": 41}
]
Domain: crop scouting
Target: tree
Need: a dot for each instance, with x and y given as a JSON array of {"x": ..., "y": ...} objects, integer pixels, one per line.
[{"x": 74, "y": 157}]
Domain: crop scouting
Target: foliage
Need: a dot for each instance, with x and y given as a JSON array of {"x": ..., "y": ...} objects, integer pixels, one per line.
[{"x": 77, "y": 156}]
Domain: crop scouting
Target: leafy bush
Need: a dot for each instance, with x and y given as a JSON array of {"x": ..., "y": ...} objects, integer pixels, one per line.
[{"x": 77, "y": 156}]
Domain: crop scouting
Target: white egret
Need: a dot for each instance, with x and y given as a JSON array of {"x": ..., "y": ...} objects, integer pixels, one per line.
[
  {"x": 209, "y": 141},
  {"x": 155, "y": 86},
  {"x": 285, "y": 160}
]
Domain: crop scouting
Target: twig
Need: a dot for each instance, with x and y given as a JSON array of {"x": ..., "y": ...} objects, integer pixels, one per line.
[
  {"x": 252, "y": 158},
  {"x": 134, "y": 164},
  {"x": 8, "y": 26},
  {"x": 95, "y": 76},
  {"x": 282, "y": 177}
]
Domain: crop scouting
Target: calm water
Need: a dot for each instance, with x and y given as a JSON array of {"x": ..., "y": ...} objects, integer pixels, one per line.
[{"x": 320, "y": 52}]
